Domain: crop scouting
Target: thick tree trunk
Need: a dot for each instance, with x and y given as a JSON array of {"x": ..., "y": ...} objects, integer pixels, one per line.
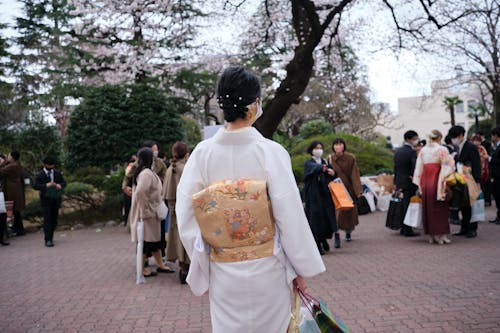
[{"x": 299, "y": 71}]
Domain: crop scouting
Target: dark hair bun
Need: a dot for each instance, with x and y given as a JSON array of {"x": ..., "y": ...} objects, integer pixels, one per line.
[{"x": 237, "y": 88}]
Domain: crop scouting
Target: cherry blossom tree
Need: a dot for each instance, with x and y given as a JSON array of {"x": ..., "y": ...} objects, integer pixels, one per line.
[{"x": 132, "y": 40}]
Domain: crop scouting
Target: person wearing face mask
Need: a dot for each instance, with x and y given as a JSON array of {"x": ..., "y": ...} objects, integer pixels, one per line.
[
  {"x": 346, "y": 168},
  {"x": 160, "y": 169},
  {"x": 405, "y": 158},
  {"x": 50, "y": 183},
  {"x": 241, "y": 220},
  {"x": 467, "y": 156},
  {"x": 319, "y": 208}
]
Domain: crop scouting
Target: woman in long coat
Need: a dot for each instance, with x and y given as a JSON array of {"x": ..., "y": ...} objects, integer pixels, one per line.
[
  {"x": 146, "y": 198},
  {"x": 175, "y": 250},
  {"x": 320, "y": 210},
  {"x": 347, "y": 170}
]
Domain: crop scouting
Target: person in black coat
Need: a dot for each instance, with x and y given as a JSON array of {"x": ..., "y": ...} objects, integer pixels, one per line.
[
  {"x": 50, "y": 183},
  {"x": 405, "y": 159},
  {"x": 319, "y": 207},
  {"x": 468, "y": 155},
  {"x": 494, "y": 166}
]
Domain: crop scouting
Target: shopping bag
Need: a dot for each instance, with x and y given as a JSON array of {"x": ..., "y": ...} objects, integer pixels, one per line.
[
  {"x": 162, "y": 211},
  {"x": 3, "y": 209},
  {"x": 138, "y": 260},
  {"x": 478, "y": 209},
  {"x": 395, "y": 213},
  {"x": 370, "y": 198},
  {"x": 384, "y": 202},
  {"x": 301, "y": 319},
  {"x": 340, "y": 195},
  {"x": 326, "y": 320},
  {"x": 413, "y": 216},
  {"x": 362, "y": 205}
]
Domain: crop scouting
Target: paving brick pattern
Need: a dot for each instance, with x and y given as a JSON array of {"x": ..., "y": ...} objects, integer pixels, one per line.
[{"x": 380, "y": 282}]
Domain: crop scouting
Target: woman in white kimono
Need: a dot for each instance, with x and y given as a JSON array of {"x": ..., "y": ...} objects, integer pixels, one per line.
[{"x": 250, "y": 293}]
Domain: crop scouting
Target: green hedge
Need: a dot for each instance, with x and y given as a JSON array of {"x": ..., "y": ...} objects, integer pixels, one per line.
[{"x": 371, "y": 158}]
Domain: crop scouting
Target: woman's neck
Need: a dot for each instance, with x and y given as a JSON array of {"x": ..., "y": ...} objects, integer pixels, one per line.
[{"x": 238, "y": 124}]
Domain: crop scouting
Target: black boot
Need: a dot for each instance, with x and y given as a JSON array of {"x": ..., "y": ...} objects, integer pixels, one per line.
[
  {"x": 337, "y": 240},
  {"x": 320, "y": 248},
  {"x": 325, "y": 244},
  {"x": 348, "y": 236}
]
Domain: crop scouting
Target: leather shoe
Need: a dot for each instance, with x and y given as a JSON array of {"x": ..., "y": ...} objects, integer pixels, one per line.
[
  {"x": 168, "y": 270},
  {"x": 151, "y": 274},
  {"x": 182, "y": 277},
  {"x": 4, "y": 243},
  {"x": 460, "y": 233},
  {"x": 494, "y": 221},
  {"x": 471, "y": 234},
  {"x": 412, "y": 234},
  {"x": 49, "y": 244}
]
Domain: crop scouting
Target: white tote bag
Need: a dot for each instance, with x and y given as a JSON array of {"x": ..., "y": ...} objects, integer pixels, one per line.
[
  {"x": 478, "y": 210},
  {"x": 138, "y": 260},
  {"x": 413, "y": 217},
  {"x": 371, "y": 200},
  {"x": 3, "y": 209}
]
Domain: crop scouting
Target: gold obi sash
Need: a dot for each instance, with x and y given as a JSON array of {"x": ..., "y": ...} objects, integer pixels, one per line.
[{"x": 236, "y": 220}]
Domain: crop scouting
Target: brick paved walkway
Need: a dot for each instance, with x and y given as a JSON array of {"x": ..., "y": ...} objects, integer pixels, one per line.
[{"x": 380, "y": 282}]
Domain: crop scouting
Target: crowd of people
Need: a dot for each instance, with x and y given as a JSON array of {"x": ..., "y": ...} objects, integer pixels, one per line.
[
  {"x": 235, "y": 214},
  {"x": 431, "y": 172}
]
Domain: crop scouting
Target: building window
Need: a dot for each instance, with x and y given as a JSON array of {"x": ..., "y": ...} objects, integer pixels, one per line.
[
  {"x": 471, "y": 103},
  {"x": 459, "y": 108}
]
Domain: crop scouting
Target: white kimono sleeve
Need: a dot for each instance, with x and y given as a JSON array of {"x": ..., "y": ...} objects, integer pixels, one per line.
[
  {"x": 295, "y": 235},
  {"x": 190, "y": 183}
]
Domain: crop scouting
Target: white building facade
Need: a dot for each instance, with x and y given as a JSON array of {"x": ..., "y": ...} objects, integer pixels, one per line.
[{"x": 425, "y": 113}]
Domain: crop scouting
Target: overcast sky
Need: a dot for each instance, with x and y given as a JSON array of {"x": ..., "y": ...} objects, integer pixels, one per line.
[{"x": 389, "y": 78}]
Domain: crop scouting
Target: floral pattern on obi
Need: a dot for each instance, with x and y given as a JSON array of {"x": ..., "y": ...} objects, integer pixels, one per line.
[{"x": 235, "y": 219}]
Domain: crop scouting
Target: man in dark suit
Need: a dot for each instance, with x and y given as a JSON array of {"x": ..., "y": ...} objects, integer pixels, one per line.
[
  {"x": 50, "y": 183},
  {"x": 468, "y": 155},
  {"x": 495, "y": 171},
  {"x": 405, "y": 159}
]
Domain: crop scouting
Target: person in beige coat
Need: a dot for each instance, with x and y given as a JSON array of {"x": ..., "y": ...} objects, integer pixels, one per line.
[
  {"x": 175, "y": 250},
  {"x": 146, "y": 198}
]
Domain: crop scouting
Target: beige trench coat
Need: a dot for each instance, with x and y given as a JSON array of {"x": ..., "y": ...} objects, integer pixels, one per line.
[
  {"x": 146, "y": 198},
  {"x": 175, "y": 250}
]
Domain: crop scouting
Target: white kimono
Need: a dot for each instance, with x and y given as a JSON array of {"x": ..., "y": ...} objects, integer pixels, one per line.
[{"x": 254, "y": 295}]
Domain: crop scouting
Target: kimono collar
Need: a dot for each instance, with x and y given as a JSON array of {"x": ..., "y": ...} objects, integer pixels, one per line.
[{"x": 239, "y": 137}]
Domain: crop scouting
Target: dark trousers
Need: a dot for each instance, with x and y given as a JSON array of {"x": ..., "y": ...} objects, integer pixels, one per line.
[
  {"x": 162, "y": 239},
  {"x": 466, "y": 226},
  {"x": 127, "y": 203},
  {"x": 496, "y": 194},
  {"x": 407, "y": 194},
  {"x": 3, "y": 226},
  {"x": 50, "y": 214},
  {"x": 486, "y": 188},
  {"x": 17, "y": 225}
]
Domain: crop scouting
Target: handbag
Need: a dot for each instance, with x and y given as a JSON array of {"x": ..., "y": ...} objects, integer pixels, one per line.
[
  {"x": 395, "y": 213},
  {"x": 301, "y": 320},
  {"x": 370, "y": 198},
  {"x": 362, "y": 205},
  {"x": 3, "y": 209},
  {"x": 326, "y": 320},
  {"x": 478, "y": 214},
  {"x": 162, "y": 211},
  {"x": 341, "y": 198},
  {"x": 413, "y": 216}
]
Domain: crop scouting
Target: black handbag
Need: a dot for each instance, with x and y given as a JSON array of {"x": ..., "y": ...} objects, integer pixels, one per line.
[
  {"x": 396, "y": 212},
  {"x": 362, "y": 205}
]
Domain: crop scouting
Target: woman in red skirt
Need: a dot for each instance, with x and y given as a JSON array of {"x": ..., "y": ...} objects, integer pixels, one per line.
[{"x": 434, "y": 164}]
